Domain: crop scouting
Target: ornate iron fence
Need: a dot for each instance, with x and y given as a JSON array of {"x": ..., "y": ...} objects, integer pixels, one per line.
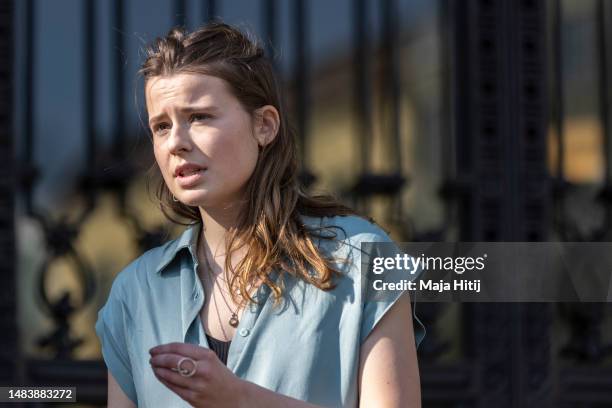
[{"x": 495, "y": 72}]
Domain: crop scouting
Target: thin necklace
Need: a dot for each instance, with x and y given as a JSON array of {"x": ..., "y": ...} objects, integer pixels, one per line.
[{"x": 233, "y": 321}]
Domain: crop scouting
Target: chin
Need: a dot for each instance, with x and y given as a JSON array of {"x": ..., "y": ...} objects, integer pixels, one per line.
[{"x": 194, "y": 198}]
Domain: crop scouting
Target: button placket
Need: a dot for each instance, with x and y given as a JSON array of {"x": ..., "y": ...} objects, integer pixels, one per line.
[
  {"x": 196, "y": 300},
  {"x": 238, "y": 342},
  {"x": 189, "y": 308},
  {"x": 245, "y": 328}
]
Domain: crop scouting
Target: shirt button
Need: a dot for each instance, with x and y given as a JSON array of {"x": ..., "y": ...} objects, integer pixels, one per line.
[
  {"x": 197, "y": 295},
  {"x": 243, "y": 332}
]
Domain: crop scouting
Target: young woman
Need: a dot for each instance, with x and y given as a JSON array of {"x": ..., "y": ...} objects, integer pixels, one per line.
[{"x": 258, "y": 303}]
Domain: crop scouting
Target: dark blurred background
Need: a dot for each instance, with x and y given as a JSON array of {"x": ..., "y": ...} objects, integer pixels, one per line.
[{"x": 445, "y": 120}]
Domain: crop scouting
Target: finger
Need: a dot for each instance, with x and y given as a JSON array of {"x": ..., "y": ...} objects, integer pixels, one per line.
[
  {"x": 185, "y": 349},
  {"x": 190, "y": 383},
  {"x": 176, "y": 348},
  {"x": 169, "y": 360},
  {"x": 168, "y": 363}
]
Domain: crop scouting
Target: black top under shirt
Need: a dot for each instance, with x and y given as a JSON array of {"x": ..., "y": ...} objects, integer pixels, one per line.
[{"x": 219, "y": 347}]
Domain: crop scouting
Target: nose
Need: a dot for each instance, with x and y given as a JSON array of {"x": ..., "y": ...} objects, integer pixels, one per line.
[{"x": 179, "y": 139}]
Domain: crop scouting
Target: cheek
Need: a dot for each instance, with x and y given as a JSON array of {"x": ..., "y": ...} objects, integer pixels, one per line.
[
  {"x": 161, "y": 160},
  {"x": 237, "y": 159},
  {"x": 236, "y": 155}
]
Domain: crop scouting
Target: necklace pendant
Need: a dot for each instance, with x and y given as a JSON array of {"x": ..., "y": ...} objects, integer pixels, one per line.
[{"x": 234, "y": 320}]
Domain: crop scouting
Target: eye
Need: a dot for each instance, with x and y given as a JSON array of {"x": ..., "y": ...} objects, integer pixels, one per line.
[
  {"x": 161, "y": 128},
  {"x": 199, "y": 116}
]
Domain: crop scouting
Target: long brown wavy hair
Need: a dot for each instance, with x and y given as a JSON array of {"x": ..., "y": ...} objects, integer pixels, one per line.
[{"x": 269, "y": 224}]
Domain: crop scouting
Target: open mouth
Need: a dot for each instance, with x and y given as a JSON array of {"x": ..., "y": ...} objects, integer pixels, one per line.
[
  {"x": 190, "y": 178},
  {"x": 188, "y": 173}
]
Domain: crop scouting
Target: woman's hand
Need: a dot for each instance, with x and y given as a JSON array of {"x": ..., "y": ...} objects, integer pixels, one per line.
[{"x": 212, "y": 384}]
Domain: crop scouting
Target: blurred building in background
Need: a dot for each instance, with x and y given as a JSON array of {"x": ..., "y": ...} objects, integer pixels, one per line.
[{"x": 475, "y": 120}]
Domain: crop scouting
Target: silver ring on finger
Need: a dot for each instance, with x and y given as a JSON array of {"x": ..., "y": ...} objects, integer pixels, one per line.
[{"x": 184, "y": 371}]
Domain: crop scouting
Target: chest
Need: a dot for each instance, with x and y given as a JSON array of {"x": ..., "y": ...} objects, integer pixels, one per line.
[
  {"x": 296, "y": 349},
  {"x": 219, "y": 323},
  {"x": 220, "y": 314}
]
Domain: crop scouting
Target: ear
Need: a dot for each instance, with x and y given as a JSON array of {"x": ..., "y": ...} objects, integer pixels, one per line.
[{"x": 267, "y": 122}]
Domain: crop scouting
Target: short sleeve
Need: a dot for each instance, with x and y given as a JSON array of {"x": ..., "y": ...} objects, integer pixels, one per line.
[
  {"x": 375, "y": 309},
  {"x": 112, "y": 328}
]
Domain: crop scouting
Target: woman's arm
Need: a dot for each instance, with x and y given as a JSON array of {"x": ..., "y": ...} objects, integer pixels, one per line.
[
  {"x": 389, "y": 372},
  {"x": 116, "y": 396}
]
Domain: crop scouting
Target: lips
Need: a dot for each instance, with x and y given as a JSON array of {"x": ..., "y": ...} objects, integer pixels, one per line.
[
  {"x": 189, "y": 175},
  {"x": 187, "y": 169}
]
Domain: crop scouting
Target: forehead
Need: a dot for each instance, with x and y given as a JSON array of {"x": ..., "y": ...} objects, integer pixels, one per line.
[{"x": 185, "y": 88}]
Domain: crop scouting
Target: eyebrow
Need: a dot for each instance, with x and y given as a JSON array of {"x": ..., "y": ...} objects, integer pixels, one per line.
[{"x": 185, "y": 110}]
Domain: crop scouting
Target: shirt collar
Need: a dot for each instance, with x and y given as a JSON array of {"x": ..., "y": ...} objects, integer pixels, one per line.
[{"x": 188, "y": 239}]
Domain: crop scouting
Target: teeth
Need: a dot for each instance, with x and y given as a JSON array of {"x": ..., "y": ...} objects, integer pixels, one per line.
[{"x": 189, "y": 173}]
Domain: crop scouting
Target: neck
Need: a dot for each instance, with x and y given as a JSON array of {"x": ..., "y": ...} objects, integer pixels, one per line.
[{"x": 216, "y": 224}]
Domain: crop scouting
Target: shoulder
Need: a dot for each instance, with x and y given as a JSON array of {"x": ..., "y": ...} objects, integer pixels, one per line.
[
  {"x": 352, "y": 229},
  {"x": 137, "y": 273},
  {"x": 345, "y": 237}
]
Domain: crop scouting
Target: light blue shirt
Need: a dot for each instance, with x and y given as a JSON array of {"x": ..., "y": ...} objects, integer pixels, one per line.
[{"x": 308, "y": 348}]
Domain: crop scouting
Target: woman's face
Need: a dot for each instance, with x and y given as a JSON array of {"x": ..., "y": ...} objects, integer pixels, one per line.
[{"x": 198, "y": 124}]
